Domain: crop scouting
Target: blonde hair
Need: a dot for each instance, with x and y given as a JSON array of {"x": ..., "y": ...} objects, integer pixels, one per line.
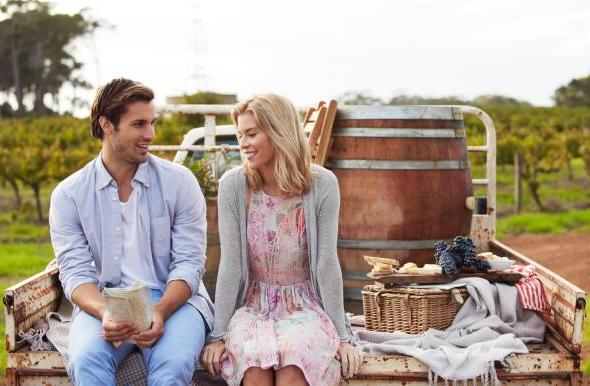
[{"x": 278, "y": 118}]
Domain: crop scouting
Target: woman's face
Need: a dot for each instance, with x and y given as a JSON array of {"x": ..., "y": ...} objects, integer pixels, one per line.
[{"x": 254, "y": 143}]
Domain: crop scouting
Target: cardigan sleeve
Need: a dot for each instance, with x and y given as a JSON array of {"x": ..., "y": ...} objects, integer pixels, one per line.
[
  {"x": 329, "y": 274},
  {"x": 229, "y": 273}
]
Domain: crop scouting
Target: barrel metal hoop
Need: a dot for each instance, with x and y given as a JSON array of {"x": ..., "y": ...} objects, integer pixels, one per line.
[
  {"x": 399, "y": 112},
  {"x": 355, "y": 275},
  {"x": 396, "y": 165},
  {"x": 212, "y": 238},
  {"x": 386, "y": 244},
  {"x": 369, "y": 132},
  {"x": 352, "y": 293}
]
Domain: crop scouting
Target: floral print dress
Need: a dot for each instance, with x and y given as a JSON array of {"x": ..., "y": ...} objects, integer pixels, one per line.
[{"x": 282, "y": 322}]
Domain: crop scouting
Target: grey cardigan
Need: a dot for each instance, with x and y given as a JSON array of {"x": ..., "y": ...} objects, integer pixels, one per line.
[{"x": 320, "y": 205}]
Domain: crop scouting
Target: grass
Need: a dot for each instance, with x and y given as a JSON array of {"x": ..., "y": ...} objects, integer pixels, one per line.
[
  {"x": 24, "y": 232},
  {"x": 552, "y": 223},
  {"x": 24, "y": 259}
]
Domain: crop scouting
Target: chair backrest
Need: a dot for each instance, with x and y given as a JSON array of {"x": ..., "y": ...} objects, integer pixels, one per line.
[{"x": 319, "y": 121}]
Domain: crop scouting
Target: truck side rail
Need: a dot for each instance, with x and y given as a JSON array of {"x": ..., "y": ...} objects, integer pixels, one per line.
[
  {"x": 28, "y": 301},
  {"x": 567, "y": 301}
]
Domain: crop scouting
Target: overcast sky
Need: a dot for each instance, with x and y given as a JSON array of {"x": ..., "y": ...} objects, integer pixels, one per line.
[{"x": 310, "y": 50}]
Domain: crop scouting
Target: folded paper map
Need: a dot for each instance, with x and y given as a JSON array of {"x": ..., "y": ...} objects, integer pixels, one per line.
[{"x": 132, "y": 304}]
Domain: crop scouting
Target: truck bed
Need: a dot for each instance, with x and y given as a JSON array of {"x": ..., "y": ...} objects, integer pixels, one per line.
[{"x": 554, "y": 362}]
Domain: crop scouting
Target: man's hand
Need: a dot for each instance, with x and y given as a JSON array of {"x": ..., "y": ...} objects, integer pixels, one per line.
[
  {"x": 212, "y": 356},
  {"x": 350, "y": 359},
  {"x": 117, "y": 332},
  {"x": 147, "y": 338}
]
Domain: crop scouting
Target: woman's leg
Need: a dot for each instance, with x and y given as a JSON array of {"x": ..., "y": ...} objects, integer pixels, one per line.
[
  {"x": 290, "y": 376},
  {"x": 255, "y": 376}
]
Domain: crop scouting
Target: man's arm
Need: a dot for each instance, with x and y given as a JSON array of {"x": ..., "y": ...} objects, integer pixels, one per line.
[
  {"x": 88, "y": 297},
  {"x": 70, "y": 246}
]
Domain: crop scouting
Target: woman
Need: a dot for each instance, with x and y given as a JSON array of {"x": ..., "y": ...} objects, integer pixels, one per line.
[{"x": 279, "y": 314}]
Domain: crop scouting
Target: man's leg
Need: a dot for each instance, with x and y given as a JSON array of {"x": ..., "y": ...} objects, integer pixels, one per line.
[
  {"x": 91, "y": 359},
  {"x": 171, "y": 361}
]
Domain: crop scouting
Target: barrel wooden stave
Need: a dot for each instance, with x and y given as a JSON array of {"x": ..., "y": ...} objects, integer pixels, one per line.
[
  {"x": 213, "y": 252},
  {"x": 402, "y": 149},
  {"x": 397, "y": 206},
  {"x": 403, "y": 185}
]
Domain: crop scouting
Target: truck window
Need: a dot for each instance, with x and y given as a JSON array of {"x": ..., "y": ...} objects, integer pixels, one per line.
[{"x": 222, "y": 161}]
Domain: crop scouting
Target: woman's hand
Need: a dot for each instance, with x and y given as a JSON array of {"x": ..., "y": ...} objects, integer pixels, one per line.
[
  {"x": 350, "y": 359},
  {"x": 212, "y": 356}
]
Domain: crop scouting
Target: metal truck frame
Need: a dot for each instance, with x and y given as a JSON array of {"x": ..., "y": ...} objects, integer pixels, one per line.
[{"x": 554, "y": 362}]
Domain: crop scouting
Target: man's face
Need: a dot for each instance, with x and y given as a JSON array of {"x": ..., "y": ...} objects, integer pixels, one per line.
[{"x": 130, "y": 138}]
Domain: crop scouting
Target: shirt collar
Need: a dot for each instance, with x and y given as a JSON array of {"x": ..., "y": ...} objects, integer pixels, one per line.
[
  {"x": 142, "y": 173},
  {"x": 104, "y": 178}
]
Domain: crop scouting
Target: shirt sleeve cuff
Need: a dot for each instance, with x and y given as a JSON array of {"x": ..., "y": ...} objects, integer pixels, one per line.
[
  {"x": 192, "y": 282},
  {"x": 71, "y": 286},
  {"x": 214, "y": 336}
]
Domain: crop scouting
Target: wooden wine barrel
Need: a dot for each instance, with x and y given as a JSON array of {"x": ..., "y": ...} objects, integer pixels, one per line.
[
  {"x": 213, "y": 249},
  {"x": 404, "y": 179}
]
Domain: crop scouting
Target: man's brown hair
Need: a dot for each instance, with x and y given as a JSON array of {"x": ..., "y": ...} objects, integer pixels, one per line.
[{"x": 112, "y": 99}]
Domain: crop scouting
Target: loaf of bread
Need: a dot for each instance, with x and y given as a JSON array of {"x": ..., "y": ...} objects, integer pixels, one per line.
[
  {"x": 381, "y": 265},
  {"x": 490, "y": 256},
  {"x": 413, "y": 269},
  {"x": 372, "y": 260}
]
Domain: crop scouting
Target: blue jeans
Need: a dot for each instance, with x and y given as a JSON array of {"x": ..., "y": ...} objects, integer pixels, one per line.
[{"x": 170, "y": 361}]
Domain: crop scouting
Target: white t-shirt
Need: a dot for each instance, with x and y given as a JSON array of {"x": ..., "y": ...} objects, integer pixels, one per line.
[{"x": 134, "y": 266}]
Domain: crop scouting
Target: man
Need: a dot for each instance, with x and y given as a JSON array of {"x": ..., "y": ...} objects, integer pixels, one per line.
[{"x": 130, "y": 216}]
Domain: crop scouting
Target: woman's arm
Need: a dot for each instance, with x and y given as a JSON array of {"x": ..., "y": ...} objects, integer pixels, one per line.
[
  {"x": 329, "y": 272},
  {"x": 230, "y": 265}
]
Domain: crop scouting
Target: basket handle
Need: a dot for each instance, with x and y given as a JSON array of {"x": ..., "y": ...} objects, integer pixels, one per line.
[
  {"x": 456, "y": 296},
  {"x": 377, "y": 305},
  {"x": 405, "y": 297}
]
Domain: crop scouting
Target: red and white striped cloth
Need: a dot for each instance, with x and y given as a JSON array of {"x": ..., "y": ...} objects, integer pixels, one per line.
[{"x": 530, "y": 289}]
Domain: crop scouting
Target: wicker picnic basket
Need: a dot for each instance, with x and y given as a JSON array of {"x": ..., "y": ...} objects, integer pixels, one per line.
[{"x": 411, "y": 310}]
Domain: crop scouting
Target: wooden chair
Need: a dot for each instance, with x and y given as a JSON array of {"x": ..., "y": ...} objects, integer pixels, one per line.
[{"x": 319, "y": 121}]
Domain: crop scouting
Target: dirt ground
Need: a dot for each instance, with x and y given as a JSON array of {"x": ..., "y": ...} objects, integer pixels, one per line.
[{"x": 568, "y": 255}]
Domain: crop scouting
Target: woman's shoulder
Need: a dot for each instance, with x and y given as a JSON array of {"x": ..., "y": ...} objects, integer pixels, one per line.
[
  {"x": 233, "y": 175},
  {"x": 232, "y": 182},
  {"x": 322, "y": 177}
]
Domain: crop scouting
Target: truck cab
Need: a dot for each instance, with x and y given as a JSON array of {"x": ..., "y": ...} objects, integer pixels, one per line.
[{"x": 222, "y": 161}]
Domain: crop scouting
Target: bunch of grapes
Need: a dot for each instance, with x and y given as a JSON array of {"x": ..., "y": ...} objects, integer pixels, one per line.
[{"x": 461, "y": 254}]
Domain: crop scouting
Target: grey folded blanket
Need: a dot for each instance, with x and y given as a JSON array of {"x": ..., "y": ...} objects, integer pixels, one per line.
[{"x": 490, "y": 326}]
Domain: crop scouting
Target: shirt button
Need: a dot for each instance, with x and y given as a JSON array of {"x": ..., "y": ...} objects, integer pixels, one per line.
[
  {"x": 116, "y": 257},
  {"x": 118, "y": 229}
]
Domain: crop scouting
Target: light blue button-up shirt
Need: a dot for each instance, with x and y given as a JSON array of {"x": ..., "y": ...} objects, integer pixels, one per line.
[{"x": 86, "y": 228}]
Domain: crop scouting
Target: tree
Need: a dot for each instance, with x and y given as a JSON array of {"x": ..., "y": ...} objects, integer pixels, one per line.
[
  {"x": 8, "y": 170},
  {"x": 35, "y": 51},
  {"x": 486, "y": 101},
  {"x": 359, "y": 98},
  {"x": 585, "y": 150},
  {"x": 419, "y": 100},
  {"x": 34, "y": 151},
  {"x": 575, "y": 94}
]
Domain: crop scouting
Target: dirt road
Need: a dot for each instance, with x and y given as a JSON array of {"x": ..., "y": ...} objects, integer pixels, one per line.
[{"x": 568, "y": 255}]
